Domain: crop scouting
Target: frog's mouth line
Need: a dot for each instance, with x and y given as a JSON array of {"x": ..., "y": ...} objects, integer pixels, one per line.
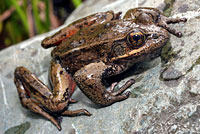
[{"x": 133, "y": 52}]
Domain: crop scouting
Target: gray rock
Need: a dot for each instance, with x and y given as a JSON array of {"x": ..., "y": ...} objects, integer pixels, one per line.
[{"x": 165, "y": 98}]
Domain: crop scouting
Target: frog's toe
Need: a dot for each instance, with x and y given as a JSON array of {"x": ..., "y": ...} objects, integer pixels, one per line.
[
  {"x": 116, "y": 98},
  {"x": 59, "y": 121},
  {"x": 72, "y": 100},
  {"x": 124, "y": 96},
  {"x": 175, "y": 20},
  {"x": 112, "y": 87},
  {"x": 76, "y": 112},
  {"x": 123, "y": 88}
]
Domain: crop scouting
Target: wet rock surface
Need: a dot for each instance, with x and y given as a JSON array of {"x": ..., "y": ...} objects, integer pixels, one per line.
[{"x": 164, "y": 99}]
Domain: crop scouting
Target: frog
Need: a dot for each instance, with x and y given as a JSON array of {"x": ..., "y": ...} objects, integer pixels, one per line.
[{"x": 89, "y": 51}]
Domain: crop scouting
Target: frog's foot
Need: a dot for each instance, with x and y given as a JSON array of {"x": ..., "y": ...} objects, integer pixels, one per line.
[
  {"x": 115, "y": 96},
  {"x": 76, "y": 112},
  {"x": 122, "y": 89},
  {"x": 164, "y": 21}
]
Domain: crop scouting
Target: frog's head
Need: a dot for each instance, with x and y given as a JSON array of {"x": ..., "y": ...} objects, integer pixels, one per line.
[
  {"x": 143, "y": 42},
  {"x": 151, "y": 33}
]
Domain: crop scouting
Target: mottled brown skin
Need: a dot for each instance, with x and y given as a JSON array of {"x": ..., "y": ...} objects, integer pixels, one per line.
[
  {"x": 90, "y": 50},
  {"x": 71, "y": 29}
]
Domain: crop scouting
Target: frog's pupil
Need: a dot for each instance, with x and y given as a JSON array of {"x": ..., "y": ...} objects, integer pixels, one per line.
[{"x": 136, "y": 37}]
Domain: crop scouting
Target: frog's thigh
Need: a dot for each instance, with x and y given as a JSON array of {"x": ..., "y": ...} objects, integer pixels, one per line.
[
  {"x": 89, "y": 80},
  {"x": 61, "y": 81},
  {"x": 31, "y": 84}
]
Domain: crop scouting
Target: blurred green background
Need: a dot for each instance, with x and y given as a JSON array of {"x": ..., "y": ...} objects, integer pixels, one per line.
[{"x": 23, "y": 19}]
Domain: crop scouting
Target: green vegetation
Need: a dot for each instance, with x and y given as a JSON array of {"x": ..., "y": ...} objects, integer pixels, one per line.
[
  {"x": 168, "y": 9},
  {"x": 22, "y": 19},
  {"x": 76, "y": 3}
]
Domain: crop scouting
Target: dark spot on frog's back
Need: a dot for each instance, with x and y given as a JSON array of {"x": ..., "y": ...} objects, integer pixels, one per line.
[
  {"x": 99, "y": 35},
  {"x": 81, "y": 33},
  {"x": 92, "y": 29},
  {"x": 82, "y": 41},
  {"x": 76, "y": 43},
  {"x": 107, "y": 25},
  {"x": 61, "y": 72},
  {"x": 86, "y": 23}
]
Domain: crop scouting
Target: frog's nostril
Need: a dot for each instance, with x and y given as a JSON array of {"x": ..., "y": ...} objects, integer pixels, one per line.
[{"x": 154, "y": 36}]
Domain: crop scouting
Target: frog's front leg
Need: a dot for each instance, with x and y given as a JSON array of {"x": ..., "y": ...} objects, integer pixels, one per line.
[
  {"x": 163, "y": 21},
  {"x": 36, "y": 96},
  {"x": 90, "y": 81}
]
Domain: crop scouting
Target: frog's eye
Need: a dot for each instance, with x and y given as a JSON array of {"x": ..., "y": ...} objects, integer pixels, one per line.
[{"x": 135, "y": 39}]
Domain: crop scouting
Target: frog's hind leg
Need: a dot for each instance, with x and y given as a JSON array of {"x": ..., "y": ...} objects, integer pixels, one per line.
[
  {"x": 22, "y": 78},
  {"x": 63, "y": 88}
]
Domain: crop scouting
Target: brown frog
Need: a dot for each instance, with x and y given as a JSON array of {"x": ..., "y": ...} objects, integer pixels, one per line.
[{"x": 90, "y": 50}]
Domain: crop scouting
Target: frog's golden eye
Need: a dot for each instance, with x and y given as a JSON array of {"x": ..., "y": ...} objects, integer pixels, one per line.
[{"x": 135, "y": 39}]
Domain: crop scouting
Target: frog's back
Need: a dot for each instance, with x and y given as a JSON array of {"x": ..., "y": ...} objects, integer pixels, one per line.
[
  {"x": 94, "y": 35},
  {"x": 91, "y": 44}
]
